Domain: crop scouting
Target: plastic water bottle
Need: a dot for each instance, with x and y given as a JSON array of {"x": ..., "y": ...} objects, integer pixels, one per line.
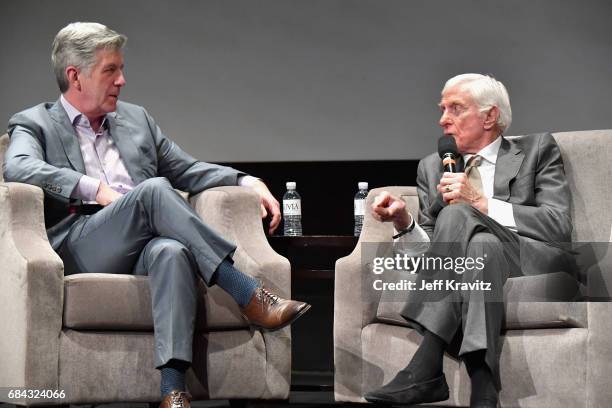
[
  {"x": 292, "y": 211},
  {"x": 359, "y": 207}
]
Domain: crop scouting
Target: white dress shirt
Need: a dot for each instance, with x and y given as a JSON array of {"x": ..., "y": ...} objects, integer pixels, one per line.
[{"x": 500, "y": 211}]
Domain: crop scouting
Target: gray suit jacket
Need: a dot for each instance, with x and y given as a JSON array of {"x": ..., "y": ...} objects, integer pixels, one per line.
[
  {"x": 529, "y": 174},
  {"x": 44, "y": 151}
]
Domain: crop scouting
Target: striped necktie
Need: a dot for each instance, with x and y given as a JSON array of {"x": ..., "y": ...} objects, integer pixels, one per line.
[{"x": 472, "y": 172}]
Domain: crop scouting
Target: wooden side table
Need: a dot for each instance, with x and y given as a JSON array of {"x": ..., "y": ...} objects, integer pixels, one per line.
[{"x": 313, "y": 259}]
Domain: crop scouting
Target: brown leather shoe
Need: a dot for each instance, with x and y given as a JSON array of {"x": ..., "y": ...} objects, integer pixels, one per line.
[
  {"x": 176, "y": 399},
  {"x": 268, "y": 311}
]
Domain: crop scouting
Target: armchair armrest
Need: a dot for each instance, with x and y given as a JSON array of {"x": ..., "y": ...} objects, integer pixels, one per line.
[
  {"x": 234, "y": 212},
  {"x": 599, "y": 351},
  {"x": 354, "y": 307},
  {"x": 31, "y": 292}
]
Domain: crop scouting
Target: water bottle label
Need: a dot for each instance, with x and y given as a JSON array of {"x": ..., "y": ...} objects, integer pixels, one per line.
[
  {"x": 292, "y": 207},
  {"x": 360, "y": 207}
]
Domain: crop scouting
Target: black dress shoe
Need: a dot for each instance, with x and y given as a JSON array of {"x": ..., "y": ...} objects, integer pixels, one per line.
[{"x": 404, "y": 390}]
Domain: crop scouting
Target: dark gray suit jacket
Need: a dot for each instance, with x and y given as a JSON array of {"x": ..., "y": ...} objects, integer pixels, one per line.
[
  {"x": 44, "y": 151},
  {"x": 529, "y": 174}
]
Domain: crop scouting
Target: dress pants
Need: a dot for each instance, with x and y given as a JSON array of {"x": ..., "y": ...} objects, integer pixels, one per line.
[
  {"x": 471, "y": 319},
  {"x": 152, "y": 231}
]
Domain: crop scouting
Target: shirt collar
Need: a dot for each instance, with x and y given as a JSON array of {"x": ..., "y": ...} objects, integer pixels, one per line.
[
  {"x": 489, "y": 152},
  {"x": 76, "y": 117}
]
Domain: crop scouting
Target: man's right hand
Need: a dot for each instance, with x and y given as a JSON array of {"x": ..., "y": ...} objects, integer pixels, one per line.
[
  {"x": 390, "y": 208},
  {"x": 106, "y": 195}
]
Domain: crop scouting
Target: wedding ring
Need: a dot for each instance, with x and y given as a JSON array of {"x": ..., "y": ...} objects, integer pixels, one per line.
[{"x": 448, "y": 189}]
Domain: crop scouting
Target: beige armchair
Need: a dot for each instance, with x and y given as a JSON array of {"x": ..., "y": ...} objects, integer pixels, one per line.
[
  {"x": 91, "y": 335},
  {"x": 555, "y": 354}
]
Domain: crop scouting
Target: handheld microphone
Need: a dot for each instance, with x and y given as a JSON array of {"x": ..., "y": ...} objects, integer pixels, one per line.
[{"x": 447, "y": 150}]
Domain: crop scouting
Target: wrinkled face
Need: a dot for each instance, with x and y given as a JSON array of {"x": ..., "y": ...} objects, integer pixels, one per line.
[
  {"x": 101, "y": 84},
  {"x": 462, "y": 120}
]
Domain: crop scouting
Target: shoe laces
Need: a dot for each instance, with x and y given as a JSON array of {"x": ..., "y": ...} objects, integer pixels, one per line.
[
  {"x": 177, "y": 400},
  {"x": 267, "y": 297}
]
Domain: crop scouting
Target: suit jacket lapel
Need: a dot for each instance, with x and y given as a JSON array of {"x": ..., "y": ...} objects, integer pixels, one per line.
[
  {"x": 127, "y": 149},
  {"x": 67, "y": 136},
  {"x": 509, "y": 161}
]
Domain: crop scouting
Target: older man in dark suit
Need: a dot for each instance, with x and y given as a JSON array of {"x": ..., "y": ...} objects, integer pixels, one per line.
[
  {"x": 508, "y": 205},
  {"x": 108, "y": 174}
]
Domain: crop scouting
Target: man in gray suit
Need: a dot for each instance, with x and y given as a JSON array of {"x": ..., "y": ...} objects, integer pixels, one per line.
[
  {"x": 508, "y": 205},
  {"x": 108, "y": 174}
]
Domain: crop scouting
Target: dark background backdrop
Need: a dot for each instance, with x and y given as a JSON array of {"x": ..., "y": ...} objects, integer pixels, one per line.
[{"x": 325, "y": 92}]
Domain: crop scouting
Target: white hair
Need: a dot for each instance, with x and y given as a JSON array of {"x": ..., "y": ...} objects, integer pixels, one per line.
[
  {"x": 77, "y": 44},
  {"x": 486, "y": 92}
]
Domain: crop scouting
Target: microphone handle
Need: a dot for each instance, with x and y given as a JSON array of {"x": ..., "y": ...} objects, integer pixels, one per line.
[{"x": 450, "y": 163}]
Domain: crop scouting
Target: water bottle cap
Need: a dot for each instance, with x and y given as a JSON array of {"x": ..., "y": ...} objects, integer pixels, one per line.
[
  {"x": 291, "y": 185},
  {"x": 363, "y": 185}
]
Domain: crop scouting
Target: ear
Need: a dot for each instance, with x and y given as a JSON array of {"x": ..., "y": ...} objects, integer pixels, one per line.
[
  {"x": 72, "y": 73},
  {"x": 491, "y": 117}
]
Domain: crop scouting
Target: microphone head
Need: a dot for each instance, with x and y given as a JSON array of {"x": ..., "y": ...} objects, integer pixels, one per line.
[{"x": 447, "y": 144}]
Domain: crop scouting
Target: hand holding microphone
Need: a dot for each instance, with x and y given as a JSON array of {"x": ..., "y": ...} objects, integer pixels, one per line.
[{"x": 455, "y": 187}]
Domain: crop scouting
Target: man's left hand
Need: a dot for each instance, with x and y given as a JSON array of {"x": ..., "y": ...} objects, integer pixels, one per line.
[
  {"x": 269, "y": 204},
  {"x": 456, "y": 188}
]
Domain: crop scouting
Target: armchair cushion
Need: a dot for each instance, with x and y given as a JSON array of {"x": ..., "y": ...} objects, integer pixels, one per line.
[{"x": 100, "y": 301}]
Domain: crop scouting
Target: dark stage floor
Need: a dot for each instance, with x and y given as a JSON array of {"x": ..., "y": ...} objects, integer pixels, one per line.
[{"x": 298, "y": 399}]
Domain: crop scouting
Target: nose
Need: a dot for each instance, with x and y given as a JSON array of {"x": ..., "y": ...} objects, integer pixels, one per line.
[
  {"x": 444, "y": 119},
  {"x": 120, "y": 79}
]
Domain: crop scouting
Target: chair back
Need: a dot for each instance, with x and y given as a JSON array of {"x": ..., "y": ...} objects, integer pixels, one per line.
[{"x": 4, "y": 141}]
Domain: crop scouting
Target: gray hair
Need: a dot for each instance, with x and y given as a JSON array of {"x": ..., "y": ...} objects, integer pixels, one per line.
[
  {"x": 487, "y": 92},
  {"x": 76, "y": 45}
]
